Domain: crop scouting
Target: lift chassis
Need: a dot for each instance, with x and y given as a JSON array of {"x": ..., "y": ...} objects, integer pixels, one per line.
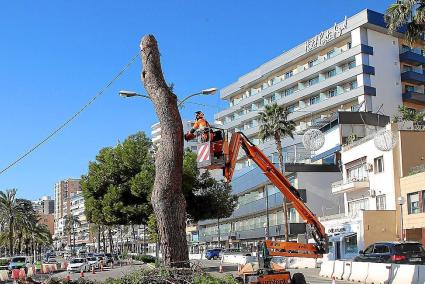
[{"x": 215, "y": 152}]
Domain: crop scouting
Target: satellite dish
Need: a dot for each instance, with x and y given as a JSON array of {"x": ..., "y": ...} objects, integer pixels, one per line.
[
  {"x": 313, "y": 139},
  {"x": 385, "y": 140}
]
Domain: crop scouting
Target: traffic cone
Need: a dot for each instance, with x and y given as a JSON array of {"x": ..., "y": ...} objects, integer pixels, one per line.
[
  {"x": 93, "y": 270},
  {"x": 333, "y": 280},
  {"x": 82, "y": 274},
  {"x": 68, "y": 278}
]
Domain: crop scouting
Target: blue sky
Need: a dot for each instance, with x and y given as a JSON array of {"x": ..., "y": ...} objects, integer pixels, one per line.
[{"x": 55, "y": 55}]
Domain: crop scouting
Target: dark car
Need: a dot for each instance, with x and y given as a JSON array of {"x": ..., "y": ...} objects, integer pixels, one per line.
[
  {"x": 212, "y": 253},
  {"x": 393, "y": 252}
]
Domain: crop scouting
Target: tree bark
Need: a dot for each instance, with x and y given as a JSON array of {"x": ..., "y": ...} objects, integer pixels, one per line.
[
  {"x": 167, "y": 200},
  {"x": 282, "y": 169}
]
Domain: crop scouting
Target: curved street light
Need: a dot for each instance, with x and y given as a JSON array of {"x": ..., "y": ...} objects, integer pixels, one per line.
[{"x": 129, "y": 94}]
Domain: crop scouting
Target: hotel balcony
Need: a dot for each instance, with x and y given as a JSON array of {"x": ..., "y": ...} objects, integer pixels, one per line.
[
  {"x": 413, "y": 77},
  {"x": 350, "y": 185},
  {"x": 414, "y": 97},
  {"x": 411, "y": 57}
]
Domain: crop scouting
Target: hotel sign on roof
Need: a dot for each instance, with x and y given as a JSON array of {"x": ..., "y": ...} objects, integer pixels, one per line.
[{"x": 326, "y": 36}]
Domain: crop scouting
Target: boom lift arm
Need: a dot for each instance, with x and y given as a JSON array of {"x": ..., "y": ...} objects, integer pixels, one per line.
[{"x": 238, "y": 140}]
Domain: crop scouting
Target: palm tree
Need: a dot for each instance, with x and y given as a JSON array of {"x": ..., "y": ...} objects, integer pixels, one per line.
[
  {"x": 409, "y": 14},
  {"x": 70, "y": 222},
  {"x": 11, "y": 210},
  {"x": 274, "y": 124}
]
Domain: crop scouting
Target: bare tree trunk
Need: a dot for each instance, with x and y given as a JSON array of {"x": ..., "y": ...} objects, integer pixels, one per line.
[
  {"x": 167, "y": 198},
  {"x": 111, "y": 241},
  {"x": 282, "y": 169}
]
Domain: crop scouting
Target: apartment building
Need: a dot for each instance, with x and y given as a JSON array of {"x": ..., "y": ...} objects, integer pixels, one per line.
[
  {"x": 370, "y": 187},
  {"x": 83, "y": 238},
  {"x": 346, "y": 81},
  {"x": 156, "y": 134},
  {"x": 44, "y": 205},
  {"x": 64, "y": 190}
]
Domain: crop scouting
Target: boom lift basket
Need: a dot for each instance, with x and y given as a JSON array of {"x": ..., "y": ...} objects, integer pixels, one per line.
[{"x": 211, "y": 142}]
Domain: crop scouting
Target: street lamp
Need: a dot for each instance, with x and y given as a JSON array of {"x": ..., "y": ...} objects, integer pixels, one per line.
[
  {"x": 400, "y": 201},
  {"x": 129, "y": 94}
]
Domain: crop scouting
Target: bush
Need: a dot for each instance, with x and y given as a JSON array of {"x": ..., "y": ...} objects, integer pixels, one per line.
[{"x": 144, "y": 257}]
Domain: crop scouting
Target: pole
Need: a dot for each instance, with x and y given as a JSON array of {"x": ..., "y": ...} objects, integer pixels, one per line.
[
  {"x": 401, "y": 221},
  {"x": 218, "y": 229},
  {"x": 267, "y": 214}
]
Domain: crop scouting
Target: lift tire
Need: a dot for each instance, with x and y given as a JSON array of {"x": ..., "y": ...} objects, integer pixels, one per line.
[
  {"x": 298, "y": 278},
  {"x": 239, "y": 280}
]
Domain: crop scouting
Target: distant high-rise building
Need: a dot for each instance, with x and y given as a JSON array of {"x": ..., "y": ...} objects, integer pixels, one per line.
[
  {"x": 44, "y": 205},
  {"x": 156, "y": 134}
]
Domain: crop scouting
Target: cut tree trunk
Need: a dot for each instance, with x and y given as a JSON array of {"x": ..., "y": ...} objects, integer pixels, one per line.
[{"x": 167, "y": 200}]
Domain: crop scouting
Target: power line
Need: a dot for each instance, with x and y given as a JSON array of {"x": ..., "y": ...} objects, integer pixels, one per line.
[{"x": 69, "y": 120}]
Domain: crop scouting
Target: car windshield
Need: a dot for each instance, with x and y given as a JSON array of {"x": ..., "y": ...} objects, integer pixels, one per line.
[
  {"x": 18, "y": 259},
  {"x": 77, "y": 260},
  {"x": 409, "y": 248},
  {"x": 91, "y": 259}
]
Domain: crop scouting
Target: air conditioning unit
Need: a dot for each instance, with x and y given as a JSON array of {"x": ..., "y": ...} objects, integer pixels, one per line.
[
  {"x": 369, "y": 167},
  {"x": 372, "y": 192}
]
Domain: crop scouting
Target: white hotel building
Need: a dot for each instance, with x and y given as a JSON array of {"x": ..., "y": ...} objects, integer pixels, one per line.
[{"x": 353, "y": 66}]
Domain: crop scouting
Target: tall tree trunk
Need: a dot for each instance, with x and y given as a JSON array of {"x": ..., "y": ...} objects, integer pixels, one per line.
[
  {"x": 98, "y": 239},
  {"x": 111, "y": 242},
  {"x": 282, "y": 169},
  {"x": 103, "y": 239},
  {"x": 73, "y": 237},
  {"x": 11, "y": 221},
  {"x": 167, "y": 200}
]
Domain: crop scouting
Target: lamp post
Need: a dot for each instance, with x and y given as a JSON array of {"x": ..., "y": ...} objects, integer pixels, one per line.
[
  {"x": 129, "y": 94},
  {"x": 400, "y": 201}
]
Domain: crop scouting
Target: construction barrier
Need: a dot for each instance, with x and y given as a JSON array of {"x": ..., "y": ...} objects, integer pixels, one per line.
[
  {"x": 238, "y": 259},
  {"x": 327, "y": 268},
  {"x": 359, "y": 271},
  {"x": 405, "y": 274},
  {"x": 299, "y": 262},
  {"x": 338, "y": 269},
  {"x": 4, "y": 275},
  {"x": 347, "y": 270},
  {"x": 379, "y": 273}
]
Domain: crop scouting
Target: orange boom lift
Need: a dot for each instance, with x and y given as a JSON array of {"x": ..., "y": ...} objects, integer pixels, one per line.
[{"x": 220, "y": 154}]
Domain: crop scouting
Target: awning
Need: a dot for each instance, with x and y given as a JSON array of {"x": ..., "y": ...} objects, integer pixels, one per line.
[{"x": 340, "y": 237}]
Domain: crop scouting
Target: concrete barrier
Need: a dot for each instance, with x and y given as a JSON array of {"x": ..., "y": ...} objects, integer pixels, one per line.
[
  {"x": 338, "y": 269},
  {"x": 299, "y": 262},
  {"x": 327, "y": 268},
  {"x": 347, "y": 270},
  {"x": 421, "y": 274},
  {"x": 379, "y": 273},
  {"x": 238, "y": 258},
  {"x": 359, "y": 271},
  {"x": 4, "y": 275},
  {"x": 404, "y": 274}
]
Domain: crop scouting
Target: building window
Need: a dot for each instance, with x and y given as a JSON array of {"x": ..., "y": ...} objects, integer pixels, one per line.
[
  {"x": 314, "y": 99},
  {"x": 351, "y": 244},
  {"x": 349, "y": 44},
  {"x": 352, "y": 64},
  {"x": 330, "y": 54},
  {"x": 289, "y": 74},
  {"x": 312, "y": 63},
  {"x": 353, "y": 85},
  {"x": 413, "y": 203},
  {"x": 290, "y": 109},
  {"x": 332, "y": 93},
  {"x": 380, "y": 202},
  {"x": 313, "y": 81},
  {"x": 407, "y": 68},
  {"x": 289, "y": 91},
  {"x": 355, "y": 206},
  {"x": 357, "y": 173},
  {"x": 379, "y": 164},
  {"x": 331, "y": 73},
  {"x": 409, "y": 88},
  {"x": 405, "y": 48}
]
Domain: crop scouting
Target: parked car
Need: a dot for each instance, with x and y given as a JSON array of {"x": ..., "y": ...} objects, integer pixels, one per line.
[
  {"x": 4, "y": 263},
  {"x": 78, "y": 264},
  {"x": 51, "y": 259},
  {"x": 393, "y": 252},
  {"x": 213, "y": 253},
  {"x": 18, "y": 262},
  {"x": 109, "y": 258},
  {"x": 92, "y": 261}
]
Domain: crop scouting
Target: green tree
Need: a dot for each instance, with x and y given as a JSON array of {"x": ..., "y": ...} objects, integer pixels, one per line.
[
  {"x": 409, "y": 14},
  {"x": 71, "y": 222},
  {"x": 274, "y": 124},
  {"x": 12, "y": 211},
  {"x": 118, "y": 184},
  {"x": 408, "y": 114}
]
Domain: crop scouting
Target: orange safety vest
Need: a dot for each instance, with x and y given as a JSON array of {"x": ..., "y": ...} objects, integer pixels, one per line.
[{"x": 201, "y": 124}]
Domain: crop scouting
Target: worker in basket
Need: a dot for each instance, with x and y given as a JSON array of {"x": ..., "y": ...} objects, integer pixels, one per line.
[{"x": 204, "y": 129}]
